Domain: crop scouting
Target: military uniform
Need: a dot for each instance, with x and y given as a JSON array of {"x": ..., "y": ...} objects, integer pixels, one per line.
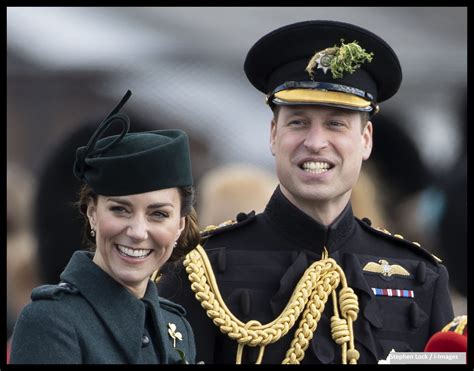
[
  {"x": 259, "y": 259},
  {"x": 265, "y": 265},
  {"x": 261, "y": 263},
  {"x": 90, "y": 318}
]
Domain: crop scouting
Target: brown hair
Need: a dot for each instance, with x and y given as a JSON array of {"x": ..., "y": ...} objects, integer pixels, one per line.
[
  {"x": 188, "y": 240},
  {"x": 190, "y": 236}
]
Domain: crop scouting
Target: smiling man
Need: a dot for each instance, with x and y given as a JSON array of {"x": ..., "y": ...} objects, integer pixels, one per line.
[
  {"x": 318, "y": 154},
  {"x": 306, "y": 281}
]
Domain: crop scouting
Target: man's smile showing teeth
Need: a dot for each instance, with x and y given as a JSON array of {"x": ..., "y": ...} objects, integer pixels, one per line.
[
  {"x": 315, "y": 167},
  {"x": 133, "y": 253}
]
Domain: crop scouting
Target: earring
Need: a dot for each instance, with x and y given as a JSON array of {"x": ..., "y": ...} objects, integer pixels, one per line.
[
  {"x": 92, "y": 232},
  {"x": 175, "y": 244}
]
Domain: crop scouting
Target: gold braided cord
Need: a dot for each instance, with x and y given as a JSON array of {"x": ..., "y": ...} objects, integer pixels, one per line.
[{"x": 309, "y": 298}]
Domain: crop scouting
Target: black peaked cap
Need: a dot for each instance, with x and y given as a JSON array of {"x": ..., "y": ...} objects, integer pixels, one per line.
[{"x": 283, "y": 54}]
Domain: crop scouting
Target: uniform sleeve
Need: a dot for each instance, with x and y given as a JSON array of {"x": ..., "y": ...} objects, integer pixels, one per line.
[
  {"x": 43, "y": 335},
  {"x": 176, "y": 287},
  {"x": 442, "y": 307}
]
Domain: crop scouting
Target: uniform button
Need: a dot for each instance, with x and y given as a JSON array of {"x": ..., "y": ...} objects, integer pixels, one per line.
[
  {"x": 145, "y": 340},
  {"x": 367, "y": 221},
  {"x": 241, "y": 217}
]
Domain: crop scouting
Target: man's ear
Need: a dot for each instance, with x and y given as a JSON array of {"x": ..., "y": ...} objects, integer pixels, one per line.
[
  {"x": 273, "y": 130},
  {"x": 367, "y": 140}
]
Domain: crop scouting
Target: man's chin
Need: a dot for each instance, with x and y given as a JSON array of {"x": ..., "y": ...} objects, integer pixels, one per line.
[{"x": 307, "y": 194}]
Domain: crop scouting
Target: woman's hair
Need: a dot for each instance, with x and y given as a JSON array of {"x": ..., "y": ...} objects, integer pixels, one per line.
[
  {"x": 190, "y": 236},
  {"x": 188, "y": 240}
]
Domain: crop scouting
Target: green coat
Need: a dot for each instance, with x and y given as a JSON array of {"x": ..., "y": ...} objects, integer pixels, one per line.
[{"x": 91, "y": 318}]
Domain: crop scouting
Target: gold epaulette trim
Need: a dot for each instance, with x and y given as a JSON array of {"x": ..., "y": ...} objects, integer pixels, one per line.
[
  {"x": 213, "y": 227},
  {"x": 457, "y": 325},
  {"x": 436, "y": 258},
  {"x": 156, "y": 276},
  {"x": 402, "y": 238}
]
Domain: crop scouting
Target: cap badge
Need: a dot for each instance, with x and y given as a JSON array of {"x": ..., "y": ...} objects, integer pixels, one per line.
[
  {"x": 325, "y": 58},
  {"x": 385, "y": 269},
  {"x": 339, "y": 59},
  {"x": 174, "y": 334}
]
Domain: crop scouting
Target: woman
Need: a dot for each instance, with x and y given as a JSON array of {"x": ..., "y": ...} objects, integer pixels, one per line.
[{"x": 137, "y": 203}]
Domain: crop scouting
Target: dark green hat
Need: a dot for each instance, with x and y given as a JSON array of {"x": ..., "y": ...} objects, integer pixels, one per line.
[
  {"x": 134, "y": 163},
  {"x": 324, "y": 63}
]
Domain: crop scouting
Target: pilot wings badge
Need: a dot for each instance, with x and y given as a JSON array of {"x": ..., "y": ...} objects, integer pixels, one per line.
[{"x": 385, "y": 269}]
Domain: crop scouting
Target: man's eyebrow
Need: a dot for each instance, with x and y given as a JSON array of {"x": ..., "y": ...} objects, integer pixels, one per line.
[{"x": 296, "y": 113}]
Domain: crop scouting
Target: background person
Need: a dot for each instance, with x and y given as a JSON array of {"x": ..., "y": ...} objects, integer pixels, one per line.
[
  {"x": 226, "y": 190},
  {"x": 21, "y": 265}
]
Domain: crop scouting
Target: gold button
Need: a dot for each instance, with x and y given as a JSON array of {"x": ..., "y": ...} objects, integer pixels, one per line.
[{"x": 226, "y": 223}]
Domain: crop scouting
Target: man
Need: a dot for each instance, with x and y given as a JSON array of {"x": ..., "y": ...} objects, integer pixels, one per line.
[{"x": 270, "y": 287}]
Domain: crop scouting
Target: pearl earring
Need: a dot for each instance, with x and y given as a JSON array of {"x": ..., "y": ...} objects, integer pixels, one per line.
[
  {"x": 175, "y": 244},
  {"x": 92, "y": 232}
]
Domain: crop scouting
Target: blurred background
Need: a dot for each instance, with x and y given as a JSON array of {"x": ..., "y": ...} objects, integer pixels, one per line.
[{"x": 67, "y": 67}]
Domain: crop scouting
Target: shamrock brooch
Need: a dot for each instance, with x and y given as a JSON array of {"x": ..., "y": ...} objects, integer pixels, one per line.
[{"x": 174, "y": 334}]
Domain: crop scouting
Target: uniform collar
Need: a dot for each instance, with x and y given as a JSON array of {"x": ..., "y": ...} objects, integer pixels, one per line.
[
  {"x": 122, "y": 313},
  {"x": 303, "y": 230}
]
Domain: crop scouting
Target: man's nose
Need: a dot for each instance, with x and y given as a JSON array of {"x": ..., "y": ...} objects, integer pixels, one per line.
[{"x": 316, "y": 138}]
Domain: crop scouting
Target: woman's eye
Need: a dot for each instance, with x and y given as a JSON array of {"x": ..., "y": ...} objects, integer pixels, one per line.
[
  {"x": 118, "y": 209},
  {"x": 160, "y": 214}
]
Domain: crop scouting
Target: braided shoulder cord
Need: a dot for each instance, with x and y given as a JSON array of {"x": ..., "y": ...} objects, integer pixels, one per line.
[{"x": 310, "y": 296}]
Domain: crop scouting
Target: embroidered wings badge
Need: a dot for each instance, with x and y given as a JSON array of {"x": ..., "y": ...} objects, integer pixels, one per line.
[{"x": 385, "y": 269}]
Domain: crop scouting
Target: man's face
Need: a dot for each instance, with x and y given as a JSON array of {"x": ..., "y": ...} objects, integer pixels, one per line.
[{"x": 319, "y": 152}]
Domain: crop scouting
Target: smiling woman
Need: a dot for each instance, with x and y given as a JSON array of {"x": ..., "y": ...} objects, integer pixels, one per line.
[
  {"x": 135, "y": 235},
  {"x": 137, "y": 203}
]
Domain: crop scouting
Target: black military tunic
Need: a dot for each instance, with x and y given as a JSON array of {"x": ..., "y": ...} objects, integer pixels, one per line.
[
  {"x": 91, "y": 318},
  {"x": 259, "y": 260}
]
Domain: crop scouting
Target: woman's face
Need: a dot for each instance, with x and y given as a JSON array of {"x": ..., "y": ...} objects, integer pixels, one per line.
[{"x": 135, "y": 234}]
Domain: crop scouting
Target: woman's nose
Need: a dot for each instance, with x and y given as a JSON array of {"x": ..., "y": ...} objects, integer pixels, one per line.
[{"x": 138, "y": 229}]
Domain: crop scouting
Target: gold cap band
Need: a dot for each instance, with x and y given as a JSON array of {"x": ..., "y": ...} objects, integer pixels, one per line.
[{"x": 322, "y": 96}]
